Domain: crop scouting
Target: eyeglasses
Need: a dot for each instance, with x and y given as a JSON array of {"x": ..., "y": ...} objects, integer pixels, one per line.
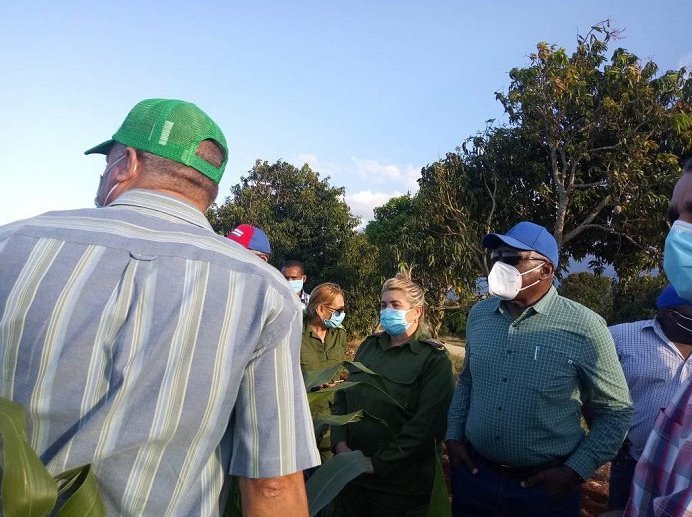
[
  {"x": 511, "y": 258},
  {"x": 337, "y": 312}
]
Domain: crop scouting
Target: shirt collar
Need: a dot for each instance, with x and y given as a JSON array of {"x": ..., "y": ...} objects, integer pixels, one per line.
[
  {"x": 414, "y": 343},
  {"x": 163, "y": 203},
  {"x": 542, "y": 306}
]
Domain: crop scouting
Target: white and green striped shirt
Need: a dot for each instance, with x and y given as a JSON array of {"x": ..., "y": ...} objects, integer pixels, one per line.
[{"x": 163, "y": 354}]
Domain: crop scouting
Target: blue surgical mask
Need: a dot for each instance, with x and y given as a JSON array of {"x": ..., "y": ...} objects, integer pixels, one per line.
[
  {"x": 335, "y": 320},
  {"x": 105, "y": 173},
  {"x": 394, "y": 321},
  {"x": 296, "y": 285},
  {"x": 677, "y": 258}
]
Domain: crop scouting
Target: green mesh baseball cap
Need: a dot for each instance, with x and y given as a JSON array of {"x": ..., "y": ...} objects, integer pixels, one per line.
[{"x": 172, "y": 129}]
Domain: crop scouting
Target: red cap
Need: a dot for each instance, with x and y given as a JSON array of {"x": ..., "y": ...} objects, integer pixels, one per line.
[{"x": 250, "y": 237}]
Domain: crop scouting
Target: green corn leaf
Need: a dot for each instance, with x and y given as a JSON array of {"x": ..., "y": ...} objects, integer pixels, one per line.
[
  {"x": 80, "y": 493},
  {"x": 327, "y": 393},
  {"x": 330, "y": 478},
  {"x": 319, "y": 377},
  {"x": 27, "y": 488},
  {"x": 439, "y": 499}
]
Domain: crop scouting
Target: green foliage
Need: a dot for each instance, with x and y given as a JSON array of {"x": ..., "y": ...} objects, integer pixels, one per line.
[
  {"x": 304, "y": 217},
  {"x": 635, "y": 299},
  {"x": 454, "y": 323},
  {"x": 28, "y": 489},
  {"x": 593, "y": 291},
  {"x": 609, "y": 132}
]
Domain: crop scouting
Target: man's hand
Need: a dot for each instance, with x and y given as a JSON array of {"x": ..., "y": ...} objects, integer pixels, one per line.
[
  {"x": 559, "y": 481},
  {"x": 458, "y": 455},
  {"x": 342, "y": 447},
  {"x": 262, "y": 496}
]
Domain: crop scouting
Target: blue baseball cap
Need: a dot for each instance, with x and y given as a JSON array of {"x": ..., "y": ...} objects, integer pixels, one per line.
[
  {"x": 250, "y": 237},
  {"x": 669, "y": 298},
  {"x": 526, "y": 236}
]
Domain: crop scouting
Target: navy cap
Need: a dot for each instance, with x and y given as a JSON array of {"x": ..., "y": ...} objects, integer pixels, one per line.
[
  {"x": 669, "y": 298},
  {"x": 526, "y": 236}
]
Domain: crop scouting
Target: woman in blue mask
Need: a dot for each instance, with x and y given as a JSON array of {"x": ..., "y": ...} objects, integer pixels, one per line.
[
  {"x": 418, "y": 375},
  {"x": 324, "y": 343}
]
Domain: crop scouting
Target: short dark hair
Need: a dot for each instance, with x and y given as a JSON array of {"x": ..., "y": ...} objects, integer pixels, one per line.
[
  {"x": 687, "y": 164},
  {"x": 293, "y": 263}
]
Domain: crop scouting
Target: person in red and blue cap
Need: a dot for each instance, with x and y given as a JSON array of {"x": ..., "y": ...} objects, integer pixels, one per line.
[
  {"x": 533, "y": 360},
  {"x": 655, "y": 356},
  {"x": 252, "y": 238}
]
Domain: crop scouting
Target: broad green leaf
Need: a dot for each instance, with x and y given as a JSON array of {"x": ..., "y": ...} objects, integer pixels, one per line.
[
  {"x": 439, "y": 499},
  {"x": 341, "y": 419},
  {"x": 80, "y": 493},
  {"x": 327, "y": 393},
  {"x": 330, "y": 478},
  {"x": 317, "y": 378},
  {"x": 27, "y": 488}
]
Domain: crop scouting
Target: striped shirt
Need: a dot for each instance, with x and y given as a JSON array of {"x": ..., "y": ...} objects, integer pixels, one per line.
[
  {"x": 662, "y": 482},
  {"x": 163, "y": 354},
  {"x": 519, "y": 396},
  {"x": 654, "y": 369}
]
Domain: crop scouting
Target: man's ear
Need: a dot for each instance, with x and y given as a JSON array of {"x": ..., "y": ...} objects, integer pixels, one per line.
[
  {"x": 131, "y": 167},
  {"x": 547, "y": 270}
]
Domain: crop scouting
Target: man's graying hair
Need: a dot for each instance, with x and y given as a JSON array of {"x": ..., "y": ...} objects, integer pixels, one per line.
[{"x": 161, "y": 172}]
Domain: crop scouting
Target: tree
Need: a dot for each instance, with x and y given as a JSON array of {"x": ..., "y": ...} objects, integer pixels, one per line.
[
  {"x": 304, "y": 217},
  {"x": 610, "y": 134},
  {"x": 407, "y": 235},
  {"x": 593, "y": 291},
  {"x": 635, "y": 299}
]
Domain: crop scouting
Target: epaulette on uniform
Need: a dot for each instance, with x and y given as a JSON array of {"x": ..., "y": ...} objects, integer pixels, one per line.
[{"x": 437, "y": 345}]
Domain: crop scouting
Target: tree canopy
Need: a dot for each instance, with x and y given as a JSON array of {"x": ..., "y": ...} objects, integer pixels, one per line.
[{"x": 590, "y": 149}]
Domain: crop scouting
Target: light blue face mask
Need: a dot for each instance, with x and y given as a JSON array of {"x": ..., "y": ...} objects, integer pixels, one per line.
[
  {"x": 105, "y": 173},
  {"x": 677, "y": 258},
  {"x": 296, "y": 285},
  {"x": 335, "y": 320},
  {"x": 394, "y": 321}
]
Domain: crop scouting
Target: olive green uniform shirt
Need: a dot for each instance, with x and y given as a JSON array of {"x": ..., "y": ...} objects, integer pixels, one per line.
[
  {"x": 418, "y": 374},
  {"x": 524, "y": 381},
  {"x": 315, "y": 355}
]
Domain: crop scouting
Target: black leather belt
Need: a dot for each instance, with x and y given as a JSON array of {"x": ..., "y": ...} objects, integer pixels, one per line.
[{"x": 509, "y": 470}]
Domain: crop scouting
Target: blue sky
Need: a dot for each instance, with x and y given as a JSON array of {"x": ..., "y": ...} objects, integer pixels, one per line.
[{"x": 367, "y": 92}]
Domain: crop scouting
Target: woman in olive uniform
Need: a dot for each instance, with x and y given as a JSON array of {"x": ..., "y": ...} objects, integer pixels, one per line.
[
  {"x": 324, "y": 343},
  {"x": 418, "y": 373}
]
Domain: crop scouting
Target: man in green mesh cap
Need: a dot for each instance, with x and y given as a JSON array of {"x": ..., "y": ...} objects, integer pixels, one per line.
[{"x": 144, "y": 344}]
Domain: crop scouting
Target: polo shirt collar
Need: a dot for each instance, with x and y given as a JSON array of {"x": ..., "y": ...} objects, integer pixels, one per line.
[
  {"x": 542, "y": 306},
  {"x": 164, "y": 203}
]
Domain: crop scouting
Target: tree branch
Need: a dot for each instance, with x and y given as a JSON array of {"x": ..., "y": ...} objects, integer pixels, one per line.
[{"x": 586, "y": 223}]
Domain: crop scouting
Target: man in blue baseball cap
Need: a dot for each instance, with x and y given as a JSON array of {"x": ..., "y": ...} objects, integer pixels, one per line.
[
  {"x": 654, "y": 354},
  {"x": 533, "y": 359}
]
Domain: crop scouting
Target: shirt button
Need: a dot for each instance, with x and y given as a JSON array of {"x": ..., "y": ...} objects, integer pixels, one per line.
[
  {"x": 509, "y": 352},
  {"x": 497, "y": 437},
  {"x": 504, "y": 379},
  {"x": 499, "y": 408}
]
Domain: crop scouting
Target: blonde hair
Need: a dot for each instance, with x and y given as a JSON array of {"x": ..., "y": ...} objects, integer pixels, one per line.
[
  {"x": 323, "y": 294},
  {"x": 413, "y": 292}
]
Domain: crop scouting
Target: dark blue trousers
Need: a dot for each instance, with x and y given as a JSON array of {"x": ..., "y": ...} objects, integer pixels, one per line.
[
  {"x": 491, "y": 494},
  {"x": 621, "y": 473}
]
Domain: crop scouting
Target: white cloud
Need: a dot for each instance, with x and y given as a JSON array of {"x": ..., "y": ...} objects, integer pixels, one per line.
[
  {"x": 362, "y": 203},
  {"x": 686, "y": 61},
  {"x": 405, "y": 175},
  {"x": 325, "y": 169}
]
